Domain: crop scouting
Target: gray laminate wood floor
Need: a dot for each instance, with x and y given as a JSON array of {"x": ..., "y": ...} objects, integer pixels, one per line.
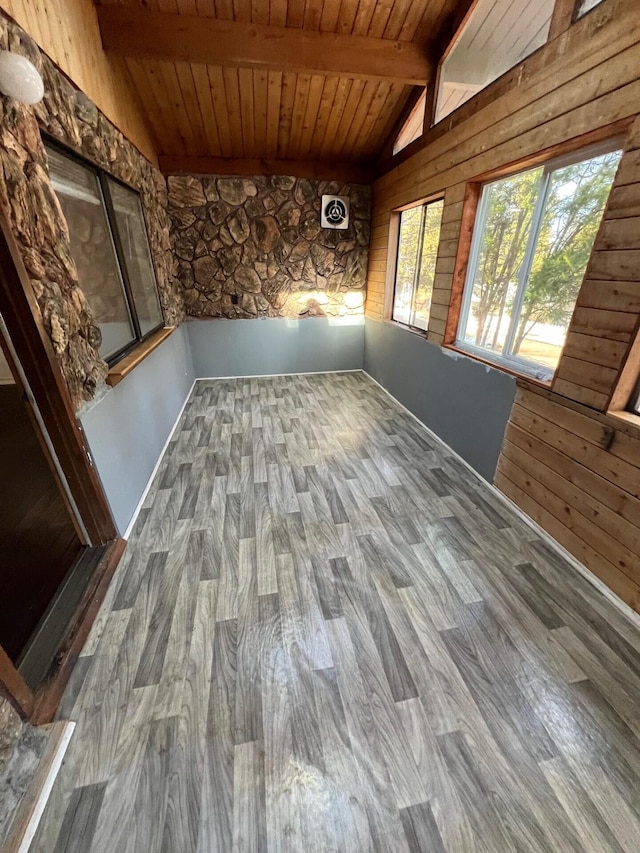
[{"x": 327, "y": 635}]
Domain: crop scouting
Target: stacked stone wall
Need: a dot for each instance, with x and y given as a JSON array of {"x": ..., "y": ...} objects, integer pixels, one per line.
[{"x": 254, "y": 247}]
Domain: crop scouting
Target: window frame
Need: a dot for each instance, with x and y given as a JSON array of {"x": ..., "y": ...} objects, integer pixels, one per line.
[
  {"x": 518, "y": 365},
  {"x": 103, "y": 178},
  {"x": 423, "y": 204},
  {"x": 633, "y": 405}
]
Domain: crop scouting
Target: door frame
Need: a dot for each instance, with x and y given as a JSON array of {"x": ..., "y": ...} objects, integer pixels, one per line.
[{"x": 33, "y": 348}]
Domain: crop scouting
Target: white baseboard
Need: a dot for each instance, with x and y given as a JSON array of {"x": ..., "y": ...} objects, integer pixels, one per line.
[
  {"x": 593, "y": 579},
  {"x": 20, "y": 843},
  {"x": 273, "y": 375},
  {"x": 140, "y": 503}
]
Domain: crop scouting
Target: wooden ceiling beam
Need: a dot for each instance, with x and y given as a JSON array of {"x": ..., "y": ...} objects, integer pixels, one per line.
[
  {"x": 141, "y": 33},
  {"x": 314, "y": 169}
]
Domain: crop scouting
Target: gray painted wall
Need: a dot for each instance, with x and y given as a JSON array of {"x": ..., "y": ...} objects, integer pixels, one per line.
[
  {"x": 275, "y": 345},
  {"x": 461, "y": 400},
  {"x": 466, "y": 403},
  {"x": 128, "y": 427}
]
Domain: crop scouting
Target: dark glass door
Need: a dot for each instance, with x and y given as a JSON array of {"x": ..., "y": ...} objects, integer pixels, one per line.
[{"x": 39, "y": 539}]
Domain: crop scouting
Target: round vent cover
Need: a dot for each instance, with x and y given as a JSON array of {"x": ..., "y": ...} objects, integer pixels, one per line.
[{"x": 335, "y": 211}]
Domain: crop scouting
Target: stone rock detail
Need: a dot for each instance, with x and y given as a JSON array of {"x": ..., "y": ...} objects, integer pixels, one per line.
[
  {"x": 255, "y": 248},
  {"x": 29, "y": 202}
]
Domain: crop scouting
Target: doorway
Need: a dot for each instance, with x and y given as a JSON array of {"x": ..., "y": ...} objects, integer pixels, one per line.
[{"x": 58, "y": 543}]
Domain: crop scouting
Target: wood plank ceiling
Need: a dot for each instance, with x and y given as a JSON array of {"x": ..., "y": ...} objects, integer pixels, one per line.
[{"x": 338, "y": 111}]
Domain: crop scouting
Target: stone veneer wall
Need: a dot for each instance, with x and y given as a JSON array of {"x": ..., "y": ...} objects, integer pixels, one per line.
[
  {"x": 253, "y": 247},
  {"x": 28, "y": 201}
]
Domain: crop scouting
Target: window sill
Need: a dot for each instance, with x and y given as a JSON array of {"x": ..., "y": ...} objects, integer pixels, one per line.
[
  {"x": 628, "y": 418},
  {"x": 504, "y": 368},
  {"x": 413, "y": 329},
  {"x": 130, "y": 362}
]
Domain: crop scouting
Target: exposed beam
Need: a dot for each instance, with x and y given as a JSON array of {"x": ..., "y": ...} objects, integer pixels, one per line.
[
  {"x": 316, "y": 170},
  {"x": 140, "y": 33}
]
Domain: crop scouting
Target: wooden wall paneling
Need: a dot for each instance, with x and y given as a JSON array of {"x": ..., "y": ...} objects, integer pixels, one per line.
[
  {"x": 570, "y": 538},
  {"x": 311, "y": 117},
  {"x": 350, "y": 115},
  {"x": 274, "y": 95},
  {"x": 612, "y": 324},
  {"x": 540, "y": 97},
  {"x": 549, "y": 63},
  {"x": 356, "y": 133},
  {"x": 616, "y": 539},
  {"x": 191, "y": 104},
  {"x": 259, "y": 12},
  {"x": 300, "y": 103},
  {"x": 339, "y": 102},
  {"x": 219, "y": 100},
  {"x": 67, "y": 30},
  {"x": 247, "y": 108},
  {"x": 346, "y": 17},
  {"x": 286, "y": 113},
  {"x": 312, "y": 14},
  {"x": 329, "y": 16},
  {"x": 628, "y": 378},
  {"x": 315, "y": 134},
  {"x": 573, "y": 469},
  {"x": 379, "y": 20},
  {"x": 621, "y": 503},
  {"x": 599, "y": 429},
  {"x": 260, "y": 106},
  {"x": 364, "y": 17},
  {"x": 223, "y": 9},
  {"x": 147, "y": 75},
  {"x": 595, "y": 363},
  {"x": 232, "y": 98},
  {"x": 204, "y": 98},
  {"x": 176, "y": 106},
  {"x": 583, "y": 468}
]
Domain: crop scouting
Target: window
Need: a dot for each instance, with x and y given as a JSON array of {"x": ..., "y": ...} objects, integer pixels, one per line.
[
  {"x": 418, "y": 239},
  {"x": 412, "y": 128},
  {"x": 585, "y": 6},
  {"x": 496, "y": 37},
  {"x": 531, "y": 244},
  {"x": 110, "y": 248}
]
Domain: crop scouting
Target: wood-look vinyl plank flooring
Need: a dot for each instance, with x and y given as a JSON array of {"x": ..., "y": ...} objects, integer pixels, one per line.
[{"x": 327, "y": 634}]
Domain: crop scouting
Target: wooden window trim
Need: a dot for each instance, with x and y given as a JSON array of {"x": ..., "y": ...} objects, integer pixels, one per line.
[
  {"x": 627, "y": 383},
  {"x": 470, "y": 208},
  {"x": 504, "y": 368},
  {"x": 144, "y": 349},
  {"x": 392, "y": 255}
]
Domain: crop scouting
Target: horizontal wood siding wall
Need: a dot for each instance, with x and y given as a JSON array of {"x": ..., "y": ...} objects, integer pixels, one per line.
[
  {"x": 67, "y": 30},
  {"x": 608, "y": 305},
  {"x": 577, "y": 474},
  {"x": 570, "y": 466}
]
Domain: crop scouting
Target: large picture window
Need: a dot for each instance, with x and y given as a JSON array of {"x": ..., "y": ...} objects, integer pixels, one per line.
[
  {"x": 532, "y": 241},
  {"x": 496, "y": 36},
  {"x": 111, "y": 251},
  {"x": 418, "y": 238}
]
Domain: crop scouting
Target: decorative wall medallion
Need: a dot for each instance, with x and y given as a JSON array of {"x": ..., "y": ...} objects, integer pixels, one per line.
[{"x": 335, "y": 212}]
